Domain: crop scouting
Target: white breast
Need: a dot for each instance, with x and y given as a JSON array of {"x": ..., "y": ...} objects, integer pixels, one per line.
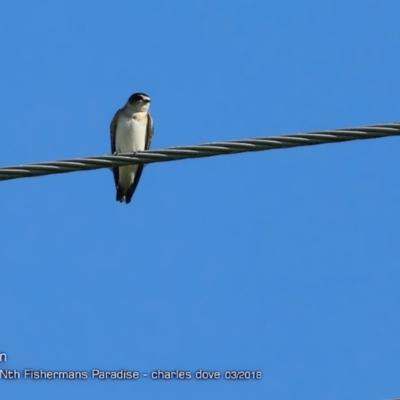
[{"x": 130, "y": 135}]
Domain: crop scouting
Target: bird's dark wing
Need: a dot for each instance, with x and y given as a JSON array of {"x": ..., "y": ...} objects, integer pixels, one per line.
[
  {"x": 113, "y": 131},
  {"x": 150, "y": 131},
  {"x": 138, "y": 174}
]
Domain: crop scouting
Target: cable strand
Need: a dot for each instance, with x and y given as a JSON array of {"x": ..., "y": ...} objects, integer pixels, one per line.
[{"x": 201, "y": 150}]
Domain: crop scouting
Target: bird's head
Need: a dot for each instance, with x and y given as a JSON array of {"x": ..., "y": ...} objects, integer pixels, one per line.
[{"x": 139, "y": 102}]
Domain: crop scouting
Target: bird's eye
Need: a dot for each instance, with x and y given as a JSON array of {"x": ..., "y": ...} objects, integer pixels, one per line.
[
  {"x": 138, "y": 97},
  {"x": 133, "y": 99}
]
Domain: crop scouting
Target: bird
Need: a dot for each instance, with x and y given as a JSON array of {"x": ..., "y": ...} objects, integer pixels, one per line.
[{"x": 131, "y": 130}]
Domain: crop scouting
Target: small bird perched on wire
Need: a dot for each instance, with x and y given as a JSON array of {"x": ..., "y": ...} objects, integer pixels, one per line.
[{"x": 131, "y": 131}]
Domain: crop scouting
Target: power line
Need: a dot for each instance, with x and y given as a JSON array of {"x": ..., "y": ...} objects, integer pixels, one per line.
[{"x": 201, "y": 150}]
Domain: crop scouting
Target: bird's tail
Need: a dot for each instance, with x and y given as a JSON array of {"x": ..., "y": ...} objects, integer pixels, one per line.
[
  {"x": 120, "y": 194},
  {"x": 125, "y": 195}
]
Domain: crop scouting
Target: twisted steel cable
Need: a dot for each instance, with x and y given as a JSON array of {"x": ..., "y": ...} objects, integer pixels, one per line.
[{"x": 201, "y": 150}]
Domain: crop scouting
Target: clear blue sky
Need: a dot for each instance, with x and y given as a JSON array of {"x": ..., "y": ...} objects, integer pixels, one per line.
[{"x": 284, "y": 261}]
